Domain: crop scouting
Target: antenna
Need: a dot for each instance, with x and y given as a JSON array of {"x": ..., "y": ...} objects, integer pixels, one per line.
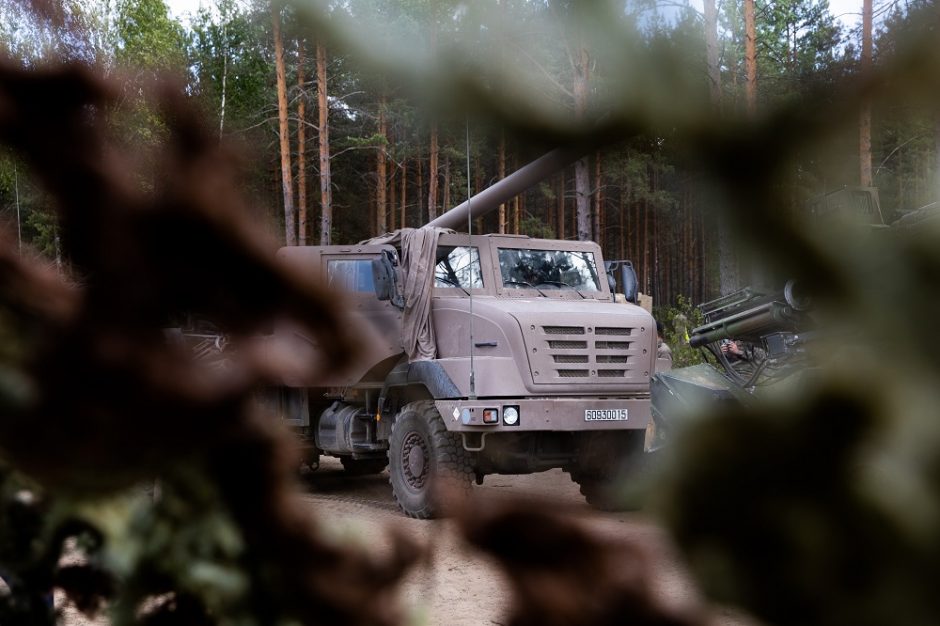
[
  {"x": 473, "y": 390},
  {"x": 19, "y": 228}
]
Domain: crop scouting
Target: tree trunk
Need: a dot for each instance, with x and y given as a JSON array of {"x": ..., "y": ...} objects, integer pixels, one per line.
[
  {"x": 432, "y": 172},
  {"x": 656, "y": 277},
  {"x": 646, "y": 246},
  {"x": 392, "y": 197},
  {"x": 402, "y": 223},
  {"x": 711, "y": 53},
  {"x": 381, "y": 207},
  {"x": 301, "y": 146},
  {"x": 478, "y": 187},
  {"x": 287, "y": 183},
  {"x": 501, "y": 164},
  {"x": 727, "y": 247},
  {"x": 623, "y": 231},
  {"x": 598, "y": 201},
  {"x": 371, "y": 220},
  {"x": 635, "y": 248},
  {"x": 750, "y": 56},
  {"x": 561, "y": 205},
  {"x": 550, "y": 215},
  {"x": 688, "y": 287},
  {"x": 223, "y": 19},
  {"x": 864, "y": 125},
  {"x": 731, "y": 11},
  {"x": 582, "y": 183},
  {"x": 582, "y": 176},
  {"x": 518, "y": 203},
  {"x": 326, "y": 191},
  {"x": 420, "y": 194},
  {"x": 936, "y": 155},
  {"x": 446, "y": 205}
]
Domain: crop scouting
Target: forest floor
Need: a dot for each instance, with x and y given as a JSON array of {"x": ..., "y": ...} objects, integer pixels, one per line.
[
  {"x": 459, "y": 587},
  {"x": 462, "y": 588}
]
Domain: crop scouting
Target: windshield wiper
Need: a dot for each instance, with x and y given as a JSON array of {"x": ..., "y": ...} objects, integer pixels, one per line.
[
  {"x": 564, "y": 284},
  {"x": 524, "y": 284}
]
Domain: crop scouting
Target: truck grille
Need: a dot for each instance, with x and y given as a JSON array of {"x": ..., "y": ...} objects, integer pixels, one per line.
[
  {"x": 567, "y": 345},
  {"x": 570, "y": 358},
  {"x": 563, "y": 330},
  {"x": 612, "y": 330},
  {"x": 605, "y": 354}
]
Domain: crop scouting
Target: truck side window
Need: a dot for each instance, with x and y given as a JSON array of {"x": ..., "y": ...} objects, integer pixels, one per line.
[
  {"x": 458, "y": 266},
  {"x": 353, "y": 275}
]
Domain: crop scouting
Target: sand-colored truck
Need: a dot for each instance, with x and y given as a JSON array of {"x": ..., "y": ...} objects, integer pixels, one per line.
[{"x": 483, "y": 354}]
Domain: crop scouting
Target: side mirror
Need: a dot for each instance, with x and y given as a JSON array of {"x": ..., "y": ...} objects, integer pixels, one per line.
[
  {"x": 385, "y": 279},
  {"x": 628, "y": 276}
]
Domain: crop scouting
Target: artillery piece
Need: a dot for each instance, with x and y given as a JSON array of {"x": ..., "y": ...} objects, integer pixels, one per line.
[
  {"x": 483, "y": 354},
  {"x": 755, "y": 340}
]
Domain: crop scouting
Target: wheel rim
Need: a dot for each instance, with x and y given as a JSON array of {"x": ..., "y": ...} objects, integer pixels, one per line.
[{"x": 414, "y": 460}]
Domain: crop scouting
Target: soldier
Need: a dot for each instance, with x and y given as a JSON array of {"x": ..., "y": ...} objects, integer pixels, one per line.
[{"x": 663, "y": 353}]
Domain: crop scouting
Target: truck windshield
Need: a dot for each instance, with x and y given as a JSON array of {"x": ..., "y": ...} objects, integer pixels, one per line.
[
  {"x": 551, "y": 269},
  {"x": 458, "y": 266}
]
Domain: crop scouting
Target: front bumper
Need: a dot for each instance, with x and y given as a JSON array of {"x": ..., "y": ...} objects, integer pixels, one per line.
[{"x": 548, "y": 414}]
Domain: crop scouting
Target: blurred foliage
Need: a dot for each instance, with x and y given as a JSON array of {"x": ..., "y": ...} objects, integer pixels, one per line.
[{"x": 821, "y": 506}]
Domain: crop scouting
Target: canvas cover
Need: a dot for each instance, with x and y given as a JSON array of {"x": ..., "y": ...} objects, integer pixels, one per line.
[{"x": 418, "y": 255}]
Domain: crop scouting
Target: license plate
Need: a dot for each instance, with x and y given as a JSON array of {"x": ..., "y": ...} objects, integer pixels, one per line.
[{"x": 605, "y": 415}]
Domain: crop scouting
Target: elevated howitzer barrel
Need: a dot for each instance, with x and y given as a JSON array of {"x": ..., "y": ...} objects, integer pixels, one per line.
[{"x": 508, "y": 188}]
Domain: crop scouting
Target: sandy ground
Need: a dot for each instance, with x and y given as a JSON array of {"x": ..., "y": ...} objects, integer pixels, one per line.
[{"x": 459, "y": 587}]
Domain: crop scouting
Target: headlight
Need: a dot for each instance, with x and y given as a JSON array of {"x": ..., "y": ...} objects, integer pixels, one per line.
[{"x": 510, "y": 416}]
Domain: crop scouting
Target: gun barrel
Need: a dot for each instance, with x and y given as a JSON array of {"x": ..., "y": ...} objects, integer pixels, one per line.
[
  {"x": 508, "y": 188},
  {"x": 765, "y": 317}
]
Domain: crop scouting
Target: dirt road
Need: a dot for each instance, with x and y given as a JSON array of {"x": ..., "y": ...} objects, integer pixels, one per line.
[{"x": 460, "y": 587}]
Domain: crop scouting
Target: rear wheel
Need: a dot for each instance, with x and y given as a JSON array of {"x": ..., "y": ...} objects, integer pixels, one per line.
[
  {"x": 602, "y": 492},
  {"x": 362, "y": 467},
  {"x": 426, "y": 461}
]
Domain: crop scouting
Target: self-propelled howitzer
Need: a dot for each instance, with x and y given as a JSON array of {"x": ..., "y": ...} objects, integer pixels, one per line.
[{"x": 482, "y": 354}]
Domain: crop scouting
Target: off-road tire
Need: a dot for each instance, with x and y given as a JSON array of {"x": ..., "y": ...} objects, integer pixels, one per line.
[
  {"x": 607, "y": 485},
  {"x": 362, "y": 467},
  {"x": 425, "y": 461},
  {"x": 601, "y": 492}
]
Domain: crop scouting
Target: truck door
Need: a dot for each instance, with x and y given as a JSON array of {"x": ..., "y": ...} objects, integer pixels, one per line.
[{"x": 350, "y": 272}]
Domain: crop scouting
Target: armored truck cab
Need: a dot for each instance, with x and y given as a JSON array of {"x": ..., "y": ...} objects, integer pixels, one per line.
[{"x": 530, "y": 364}]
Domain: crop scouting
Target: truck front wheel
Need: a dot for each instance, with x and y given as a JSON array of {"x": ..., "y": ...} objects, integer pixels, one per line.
[{"x": 425, "y": 461}]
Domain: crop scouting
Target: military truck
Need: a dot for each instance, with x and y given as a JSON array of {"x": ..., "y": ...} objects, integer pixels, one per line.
[{"x": 483, "y": 354}]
